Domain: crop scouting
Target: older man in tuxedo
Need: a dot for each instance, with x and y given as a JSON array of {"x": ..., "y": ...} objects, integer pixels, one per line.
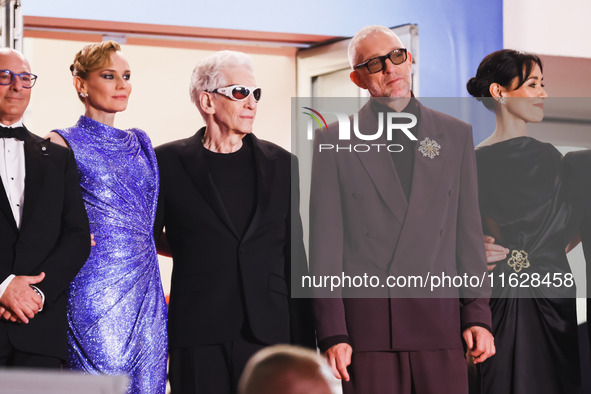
[
  {"x": 410, "y": 212},
  {"x": 43, "y": 225},
  {"x": 226, "y": 206}
]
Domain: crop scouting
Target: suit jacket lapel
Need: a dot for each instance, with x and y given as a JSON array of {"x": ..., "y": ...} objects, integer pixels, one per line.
[
  {"x": 426, "y": 170},
  {"x": 196, "y": 166},
  {"x": 35, "y": 166},
  {"x": 380, "y": 168},
  {"x": 424, "y": 180},
  {"x": 265, "y": 173},
  {"x": 5, "y": 208}
]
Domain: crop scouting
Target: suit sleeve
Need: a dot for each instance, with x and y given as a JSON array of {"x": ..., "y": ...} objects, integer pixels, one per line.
[
  {"x": 578, "y": 181},
  {"x": 73, "y": 245},
  {"x": 578, "y": 186},
  {"x": 301, "y": 323},
  {"x": 326, "y": 241},
  {"x": 470, "y": 254},
  {"x": 159, "y": 219}
]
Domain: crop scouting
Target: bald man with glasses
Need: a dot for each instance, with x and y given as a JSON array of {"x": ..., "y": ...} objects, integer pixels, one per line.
[
  {"x": 410, "y": 212},
  {"x": 44, "y": 233},
  {"x": 225, "y": 203}
]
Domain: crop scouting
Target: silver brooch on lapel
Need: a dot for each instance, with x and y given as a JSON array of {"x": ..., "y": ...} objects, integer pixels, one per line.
[{"x": 429, "y": 148}]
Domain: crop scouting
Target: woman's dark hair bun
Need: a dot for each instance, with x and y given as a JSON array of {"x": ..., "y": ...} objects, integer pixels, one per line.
[
  {"x": 501, "y": 67},
  {"x": 475, "y": 88}
]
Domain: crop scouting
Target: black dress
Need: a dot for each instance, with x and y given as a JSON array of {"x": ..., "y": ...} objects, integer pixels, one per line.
[{"x": 525, "y": 207}]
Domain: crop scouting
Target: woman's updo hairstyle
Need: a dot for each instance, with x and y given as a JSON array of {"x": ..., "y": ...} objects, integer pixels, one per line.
[
  {"x": 93, "y": 57},
  {"x": 501, "y": 67}
]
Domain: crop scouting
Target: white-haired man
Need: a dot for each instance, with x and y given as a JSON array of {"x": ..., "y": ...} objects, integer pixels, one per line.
[
  {"x": 408, "y": 213},
  {"x": 225, "y": 204}
]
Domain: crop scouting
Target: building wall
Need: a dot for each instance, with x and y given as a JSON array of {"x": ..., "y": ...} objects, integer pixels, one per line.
[
  {"x": 557, "y": 28},
  {"x": 454, "y": 35}
]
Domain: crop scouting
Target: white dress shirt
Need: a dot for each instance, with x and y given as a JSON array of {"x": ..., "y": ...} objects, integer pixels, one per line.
[{"x": 12, "y": 172}]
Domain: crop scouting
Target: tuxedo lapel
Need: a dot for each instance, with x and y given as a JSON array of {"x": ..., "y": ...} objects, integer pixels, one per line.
[
  {"x": 380, "y": 167},
  {"x": 196, "y": 166},
  {"x": 35, "y": 167},
  {"x": 5, "y": 208},
  {"x": 265, "y": 173}
]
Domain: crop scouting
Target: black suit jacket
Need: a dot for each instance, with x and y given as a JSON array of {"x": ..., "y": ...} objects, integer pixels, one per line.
[
  {"x": 53, "y": 238},
  {"x": 221, "y": 280}
]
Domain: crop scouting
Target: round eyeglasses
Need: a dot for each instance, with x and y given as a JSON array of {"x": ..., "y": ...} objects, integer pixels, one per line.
[{"x": 27, "y": 79}]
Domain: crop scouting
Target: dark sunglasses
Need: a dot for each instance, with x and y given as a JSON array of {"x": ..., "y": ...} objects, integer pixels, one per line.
[
  {"x": 239, "y": 92},
  {"x": 377, "y": 64}
]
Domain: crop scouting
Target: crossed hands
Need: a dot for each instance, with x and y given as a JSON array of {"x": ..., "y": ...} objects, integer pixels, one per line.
[{"x": 20, "y": 302}]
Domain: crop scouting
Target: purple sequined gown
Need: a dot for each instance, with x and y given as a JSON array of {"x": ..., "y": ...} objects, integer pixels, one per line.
[{"x": 116, "y": 309}]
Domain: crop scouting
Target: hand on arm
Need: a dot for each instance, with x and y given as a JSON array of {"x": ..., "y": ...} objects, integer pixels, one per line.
[
  {"x": 19, "y": 301},
  {"x": 480, "y": 344},
  {"x": 494, "y": 252},
  {"x": 339, "y": 358}
]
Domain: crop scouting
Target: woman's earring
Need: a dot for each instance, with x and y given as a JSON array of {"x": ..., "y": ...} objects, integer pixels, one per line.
[
  {"x": 501, "y": 100},
  {"x": 83, "y": 95}
]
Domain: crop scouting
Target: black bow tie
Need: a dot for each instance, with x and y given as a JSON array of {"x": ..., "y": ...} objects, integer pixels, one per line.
[{"x": 13, "y": 132}]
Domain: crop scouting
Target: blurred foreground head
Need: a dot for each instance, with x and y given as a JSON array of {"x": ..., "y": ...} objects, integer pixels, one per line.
[{"x": 285, "y": 369}]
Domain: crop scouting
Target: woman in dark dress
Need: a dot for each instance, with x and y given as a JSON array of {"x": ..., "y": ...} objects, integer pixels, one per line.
[{"x": 525, "y": 208}]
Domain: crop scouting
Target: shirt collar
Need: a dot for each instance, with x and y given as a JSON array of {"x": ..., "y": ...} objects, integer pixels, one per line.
[{"x": 18, "y": 123}]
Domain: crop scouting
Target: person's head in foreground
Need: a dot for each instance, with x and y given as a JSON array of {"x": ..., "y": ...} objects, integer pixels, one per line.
[{"x": 285, "y": 369}]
